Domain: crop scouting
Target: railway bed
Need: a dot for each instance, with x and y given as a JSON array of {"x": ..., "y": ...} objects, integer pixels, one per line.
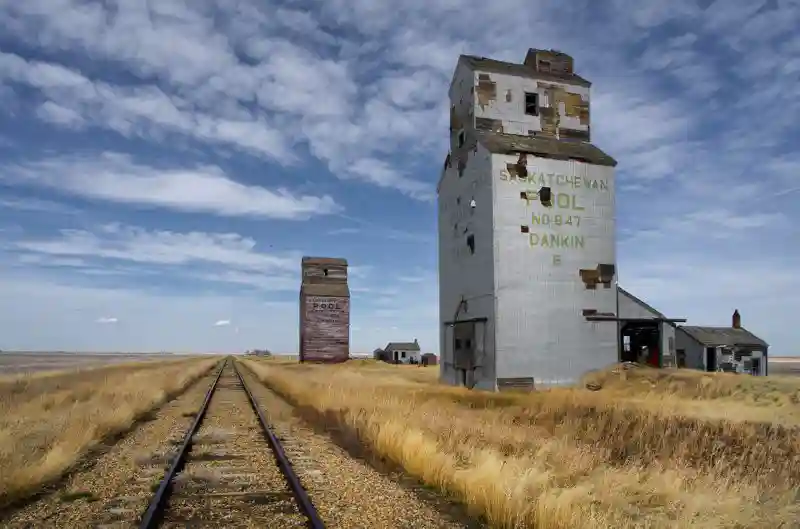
[
  {"x": 230, "y": 470},
  {"x": 229, "y": 476}
]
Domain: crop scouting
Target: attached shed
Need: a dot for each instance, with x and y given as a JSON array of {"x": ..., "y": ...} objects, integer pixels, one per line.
[
  {"x": 646, "y": 335},
  {"x": 732, "y": 349}
]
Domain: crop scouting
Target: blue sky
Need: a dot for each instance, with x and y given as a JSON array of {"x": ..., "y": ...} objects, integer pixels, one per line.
[{"x": 164, "y": 168}]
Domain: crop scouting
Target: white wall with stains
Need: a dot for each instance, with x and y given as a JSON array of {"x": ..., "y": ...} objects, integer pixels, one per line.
[{"x": 541, "y": 331}]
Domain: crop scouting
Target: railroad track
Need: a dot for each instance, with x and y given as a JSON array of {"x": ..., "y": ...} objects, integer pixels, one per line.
[{"x": 230, "y": 469}]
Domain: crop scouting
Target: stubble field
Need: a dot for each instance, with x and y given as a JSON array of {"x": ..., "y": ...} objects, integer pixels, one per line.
[
  {"x": 652, "y": 448},
  {"x": 49, "y": 420},
  {"x": 12, "y": 363}
]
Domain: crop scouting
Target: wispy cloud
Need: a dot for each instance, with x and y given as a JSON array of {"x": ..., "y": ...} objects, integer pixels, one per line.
[
  {"x": 37, "y": 205},
  {"x": 117, "y": 178},
  {"x": 106, "y": 320},
  {"x": 222, "y": 323},
  {"x": 129, "y": 243}
]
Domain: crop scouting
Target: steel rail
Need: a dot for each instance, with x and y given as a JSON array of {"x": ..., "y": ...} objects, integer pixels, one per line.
[
  {"x": 158, "y": 504},
  {"x": 300, "y": 494},
  {"x": 155, "y": 511}
]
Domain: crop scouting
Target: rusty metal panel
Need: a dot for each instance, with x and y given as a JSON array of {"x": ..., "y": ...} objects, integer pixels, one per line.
[
  {"x": 515, "y": 384},
  {"x": 325, "y": 329}
]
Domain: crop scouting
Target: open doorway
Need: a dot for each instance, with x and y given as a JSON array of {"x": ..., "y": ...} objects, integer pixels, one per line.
[
  {"x": 711, "y": 359},
  {"x": 641, "y": 341}
]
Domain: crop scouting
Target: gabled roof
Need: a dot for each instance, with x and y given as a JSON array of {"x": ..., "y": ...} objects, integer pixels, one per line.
[
  {"x": 402, "y": 346},
  {"x": 501, "y": 143},
  {"x": 656, "y": 313},
  {"x": 519, "y": 70},
  {"x": 723, "y": 336}
]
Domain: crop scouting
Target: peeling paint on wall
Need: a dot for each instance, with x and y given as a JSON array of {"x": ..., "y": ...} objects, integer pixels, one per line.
[
  {"x": 574, "y": 106},
  {"x": 487, "y": 90}
]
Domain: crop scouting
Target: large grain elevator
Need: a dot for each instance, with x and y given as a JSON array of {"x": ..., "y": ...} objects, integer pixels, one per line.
[
  {"x": 324, "y": 310},
  {"x": 527, "y": 252}
]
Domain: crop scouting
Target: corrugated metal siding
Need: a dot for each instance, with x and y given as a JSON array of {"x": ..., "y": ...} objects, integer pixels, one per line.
[
  {"x": 695, "y": 353},
  {"x": 541, "y": 331},
  {"x": 462, "y": 274}
]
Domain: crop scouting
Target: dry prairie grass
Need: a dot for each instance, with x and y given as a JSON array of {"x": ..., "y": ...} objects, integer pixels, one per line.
[
  {"x": 626, "y": 456},
  {"x": 48, "y": 421}
]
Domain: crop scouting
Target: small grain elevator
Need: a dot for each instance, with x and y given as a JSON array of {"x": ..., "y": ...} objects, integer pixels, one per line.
[{"x": 324, "y": 310}]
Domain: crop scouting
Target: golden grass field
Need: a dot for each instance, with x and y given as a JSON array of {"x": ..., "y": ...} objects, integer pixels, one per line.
[
  {"x": 652, "y": 448},
  {"x": 50, "y": 420}
]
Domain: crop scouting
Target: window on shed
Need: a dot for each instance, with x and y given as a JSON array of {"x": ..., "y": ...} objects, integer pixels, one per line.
[
  {"x": 403, "y": 354},
  {"x": 471, "y": 243},
  {"x": 531, "y": 104}
]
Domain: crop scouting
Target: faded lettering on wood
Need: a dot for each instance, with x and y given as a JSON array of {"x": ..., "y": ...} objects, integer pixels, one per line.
[{"x": 326, "y": 329}]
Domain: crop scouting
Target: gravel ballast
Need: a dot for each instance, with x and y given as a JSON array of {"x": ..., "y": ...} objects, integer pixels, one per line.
[
  {"x": 231, "y": 479},
  {"x": 348, "y": 492}
]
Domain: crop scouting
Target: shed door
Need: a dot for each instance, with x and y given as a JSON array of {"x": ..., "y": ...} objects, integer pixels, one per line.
[{"x": 464, "y": 345}]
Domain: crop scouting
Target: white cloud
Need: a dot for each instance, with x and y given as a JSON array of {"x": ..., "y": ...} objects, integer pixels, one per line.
[
  {"x": 145, "y": 112},
  {"x": 207, "y": 189},
  {"x": 208, "y": 92},
  {"x": 222, "y": 323},
  {"x": 106, "y": 320},
  {"x": 36, "y": 204},
  {"x": 161, "y": 247}
]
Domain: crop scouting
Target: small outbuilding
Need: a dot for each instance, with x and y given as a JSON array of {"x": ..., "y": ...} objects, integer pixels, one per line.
[
  {"x": 733, "y": 349},
  {"x": 402, "y": 353}
]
